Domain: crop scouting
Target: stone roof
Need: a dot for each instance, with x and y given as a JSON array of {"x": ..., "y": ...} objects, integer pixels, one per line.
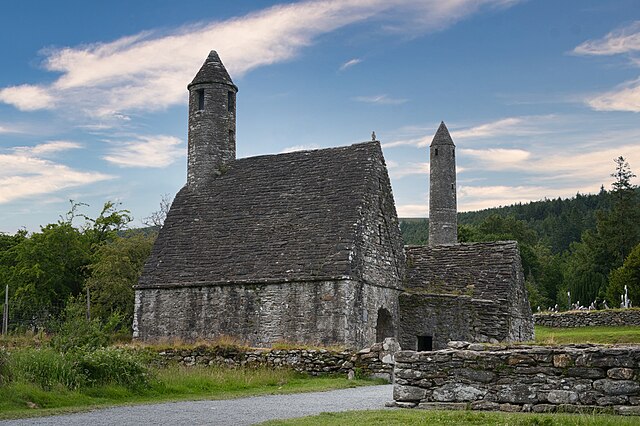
[
  {"x": 213, "y": 71},
  {"x": 480, "y": 270},
  {"x": 288, "y": 217},
  {"x": 442, "y": 136}
]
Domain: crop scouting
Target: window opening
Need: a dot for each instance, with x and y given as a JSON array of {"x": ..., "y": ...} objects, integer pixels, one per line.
[
  {"x": 232, "y": 136},
  {"x": 200, "y": 93},
  {"x": 231, "y": 104},
  {"x": 436, "y": 151},
  {"x": 425, "y": 343}
]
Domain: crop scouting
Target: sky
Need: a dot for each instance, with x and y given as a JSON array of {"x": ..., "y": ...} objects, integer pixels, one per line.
[{"x": 539, "y": 96}]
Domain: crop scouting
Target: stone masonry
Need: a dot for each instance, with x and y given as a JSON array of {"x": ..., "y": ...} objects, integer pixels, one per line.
[
  {"x": 579, "y": 378},
  {"x": 443, "y": 212},
  {"x": 605, "y": 318},
  {"x": 472, "y": 292}
]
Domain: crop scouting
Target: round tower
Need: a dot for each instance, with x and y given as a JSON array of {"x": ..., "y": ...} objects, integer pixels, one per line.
[
  {"x": 212, "y": 121},
  {"x": 443, "y": 221}
]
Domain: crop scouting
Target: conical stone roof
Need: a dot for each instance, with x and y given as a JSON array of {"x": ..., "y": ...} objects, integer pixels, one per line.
[
  {"x": 213, "y": 71},
  {"x": 442, "y": 136}
]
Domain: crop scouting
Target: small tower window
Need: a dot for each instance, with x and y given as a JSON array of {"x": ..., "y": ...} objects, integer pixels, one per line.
[
  {"x": 200, "y": 94},
  {"x": 231, "y": 101},
  {"x": 436, "y": 151},
  {"x": 232, "y": 136}
]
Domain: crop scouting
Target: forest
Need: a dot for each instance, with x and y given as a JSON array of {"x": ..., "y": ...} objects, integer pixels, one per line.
[{"x": 581, "y": 250}]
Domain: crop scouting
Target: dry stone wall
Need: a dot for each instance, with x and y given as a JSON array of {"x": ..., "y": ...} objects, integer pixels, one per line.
[
  {"x": 574, "y": 378},
  {"x": 589, "y": 318},
  {"x": 375, "y": 361}
]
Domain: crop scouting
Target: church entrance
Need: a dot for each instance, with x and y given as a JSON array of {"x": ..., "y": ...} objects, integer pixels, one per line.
[{"x": 384, "y": 325}]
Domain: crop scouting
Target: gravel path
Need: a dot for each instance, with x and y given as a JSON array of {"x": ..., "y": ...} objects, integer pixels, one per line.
[{"x": 243, "y": 411}]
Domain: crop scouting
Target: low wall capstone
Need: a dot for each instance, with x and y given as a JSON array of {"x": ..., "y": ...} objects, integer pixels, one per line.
[
  {"x": 570, "y": 319},
  {"x": 575, "y": 378}
]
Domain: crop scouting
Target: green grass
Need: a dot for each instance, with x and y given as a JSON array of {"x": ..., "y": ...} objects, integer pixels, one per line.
[
  {"x": 464, "y": 418},
  {"x": 617, "y": 335},
  {"x": 20, "y": 399}
]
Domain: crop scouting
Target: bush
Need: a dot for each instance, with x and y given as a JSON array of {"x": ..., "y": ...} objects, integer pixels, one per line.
[
  {"x": 75, "y": 332},
  {"x": 113, "y": 366}
]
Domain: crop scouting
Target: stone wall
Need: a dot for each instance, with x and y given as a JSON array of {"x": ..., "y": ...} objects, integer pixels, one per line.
[
  {"x": 447, "y": 317},
  {"x": 376, "y": 361},
  {"x": 317, "y": 312},
  {"x": 589, "y": 318},
  {"x": 574, "y": 378}
]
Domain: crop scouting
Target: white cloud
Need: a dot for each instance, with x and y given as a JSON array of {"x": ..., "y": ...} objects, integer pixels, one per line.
[
  {"x": 623, "y": 40},
  {"x": 23, "y": 174},
  {"x": 149, "y": 70},
  {"x": 510, "y": 126},
  {"x": 397, "y": 171},
  {"x": 27, "y": 97},
  {"x": 380, "y": 100},
  {"x": 300, "y": 148},
  {"x": 625, "y": 97},
  {"x": 472, "y": 198},
  {"x": 413, "y": 210},
  {"x": 146, "y": 151},
  {"x": 497, "y": 158},
  {"x": 54, "y": 146},
  {"x": 350, "y": 63},
  {"x": 499, "y": 127}
]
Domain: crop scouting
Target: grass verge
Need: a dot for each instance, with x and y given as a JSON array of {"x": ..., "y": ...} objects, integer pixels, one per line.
[
  {"x": 464, "y": 418},
  {"x": 613, "y": 335},
  {"x": 20, "y": 399}
]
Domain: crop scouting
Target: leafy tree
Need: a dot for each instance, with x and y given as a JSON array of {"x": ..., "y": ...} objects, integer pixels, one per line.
[
  {"x": 114, "y": 272},
  {"x": 628, "y": 274},
  {"x": 619, "y": 229}
]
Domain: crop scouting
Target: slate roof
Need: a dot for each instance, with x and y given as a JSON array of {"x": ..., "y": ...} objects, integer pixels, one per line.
[
  {"x": 213, "y": 71},
  {"x": 485, "y": 270},
  {"x": 286, "y": 217}
]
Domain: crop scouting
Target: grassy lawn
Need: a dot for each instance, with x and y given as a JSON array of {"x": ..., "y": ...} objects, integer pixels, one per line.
[
  {"x": 21, "y": 399},
  {"x": 464, "y": 418},
  {"x": 621, "y": 334}
]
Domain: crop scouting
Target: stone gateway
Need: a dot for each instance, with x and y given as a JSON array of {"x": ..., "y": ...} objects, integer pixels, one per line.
[{"x": 306, "y": 247}]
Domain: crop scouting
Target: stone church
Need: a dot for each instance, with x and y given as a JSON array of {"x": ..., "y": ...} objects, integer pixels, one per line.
[{"x": 306, "y": 247}]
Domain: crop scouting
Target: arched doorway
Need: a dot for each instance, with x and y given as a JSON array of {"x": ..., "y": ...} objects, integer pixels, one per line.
[{"x": 384, "y": 325}]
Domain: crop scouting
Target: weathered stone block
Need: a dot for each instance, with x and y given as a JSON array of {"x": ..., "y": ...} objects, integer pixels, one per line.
[
  {"x": 408, "y": 393},
  {"x": 617, "y": 387},
  {"x": 562, "y": 397},
  {"x": 562, "y": 360},
  {"x": 620, "y": 373},
  {"x": 457, "y": 392}
]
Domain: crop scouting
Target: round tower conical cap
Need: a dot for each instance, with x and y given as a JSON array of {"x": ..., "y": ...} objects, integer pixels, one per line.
[
  {"x": 442, "y": 136},
  {"x": 213, "y": 71}
]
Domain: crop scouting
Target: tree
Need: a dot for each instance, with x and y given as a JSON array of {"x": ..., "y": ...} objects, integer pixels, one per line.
[
  {"x": 115, "y": 270},
  {"x": 628, "y": 274},
  {"x": 158, "y": 217}
]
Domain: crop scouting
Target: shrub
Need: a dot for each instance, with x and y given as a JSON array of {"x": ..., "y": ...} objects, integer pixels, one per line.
[
  {"x": 113, "y": 366},
  {"x": 75, "y": 332}
]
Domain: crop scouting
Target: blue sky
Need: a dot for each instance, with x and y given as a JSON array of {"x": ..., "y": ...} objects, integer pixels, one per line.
[{"x": 539, "y": 96}]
